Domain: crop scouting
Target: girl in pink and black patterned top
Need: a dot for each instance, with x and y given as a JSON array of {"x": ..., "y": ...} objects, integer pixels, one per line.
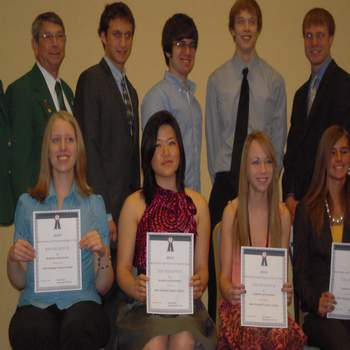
[{"x": 162, "y": 205}]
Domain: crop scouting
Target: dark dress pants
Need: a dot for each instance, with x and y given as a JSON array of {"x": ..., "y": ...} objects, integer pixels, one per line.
[
  {"x": 82, "y": 326},
  {"x": 327, "y": 333},
  {"x": 224, "y": 189}
]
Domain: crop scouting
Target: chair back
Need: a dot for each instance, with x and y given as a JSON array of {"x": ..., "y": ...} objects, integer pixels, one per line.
[{"x": 216, "y": 250}]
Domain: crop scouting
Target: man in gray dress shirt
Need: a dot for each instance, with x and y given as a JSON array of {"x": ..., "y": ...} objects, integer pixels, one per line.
[
  {"x": 175, "y": 93},
  {"x": 267, "y": 111}
]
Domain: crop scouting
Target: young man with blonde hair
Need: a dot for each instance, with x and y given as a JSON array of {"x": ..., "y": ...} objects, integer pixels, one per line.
[{"x": 244, "y": 94}]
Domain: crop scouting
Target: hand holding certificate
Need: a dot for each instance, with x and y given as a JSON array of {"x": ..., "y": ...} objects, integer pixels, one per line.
[
  {"x": 339, "y": 283},
  {"x": 263, "y": 273},
  {"x": 169, "y": 270},
  {"x": 57, "y": 266}
]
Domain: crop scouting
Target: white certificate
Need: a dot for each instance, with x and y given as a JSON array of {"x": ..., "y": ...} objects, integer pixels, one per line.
[
  {"x": 339, "y": 283},
  {"x": 57, "y": 266},
  {"x": 169, "y": 269},
  {"x": 263, "y": 273}
]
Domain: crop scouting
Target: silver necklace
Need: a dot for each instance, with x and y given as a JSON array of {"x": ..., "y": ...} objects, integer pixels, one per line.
[{"x": 333, "y": 220}]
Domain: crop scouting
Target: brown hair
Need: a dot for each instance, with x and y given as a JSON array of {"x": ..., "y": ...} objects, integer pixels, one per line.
[
  {"x": 41, "y": 189},
  {"x": 249, "y": 5},
  {"x": 241, "y": 223},
  {"x": 318, "y": 191},
  {"x": 319, "y": 16}
]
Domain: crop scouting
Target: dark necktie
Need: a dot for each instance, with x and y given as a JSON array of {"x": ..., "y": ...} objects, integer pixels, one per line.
[
  {"x": 312, "y": 93},
  {"x": 240, "y": 131},
  {"x": 128, "y": 105},
  {"x": 59, "y": 93}
]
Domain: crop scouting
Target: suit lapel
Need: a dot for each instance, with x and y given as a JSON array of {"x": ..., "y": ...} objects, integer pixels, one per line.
[
  {"x": 327, "y": 237},
  {"x": 303, "y": 111},
  {"x": 321, "y": 92},
  {"x": 113, "y": 87},
  {"x": 3, "y": 112},
  {"x": 68, "y": 94},
  {"x": 346, "y": 233},
  {"x": 112, "y": 83},
  {"x": 132, "y": 96},
  {"x": 41, "y": 92}
]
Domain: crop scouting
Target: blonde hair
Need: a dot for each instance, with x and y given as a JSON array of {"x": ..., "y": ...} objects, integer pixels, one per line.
[
  {"x": 241, "y": 222},
  {"x": 41, "y": 189}
]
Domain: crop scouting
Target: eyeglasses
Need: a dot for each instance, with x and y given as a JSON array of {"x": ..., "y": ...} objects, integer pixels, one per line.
[
  {"x": 49, "y": 37},
  {"x": 318, "y": 36},
  {"x": 182, "y": 44}
]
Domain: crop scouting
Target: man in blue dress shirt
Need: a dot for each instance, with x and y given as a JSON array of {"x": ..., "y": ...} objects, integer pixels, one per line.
[
  {"x": 175, "y": 93},
  {"x": 323, "y": 100}
]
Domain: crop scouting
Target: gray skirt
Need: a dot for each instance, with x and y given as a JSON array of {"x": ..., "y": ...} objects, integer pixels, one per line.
[{"x": 135, "y": 328}]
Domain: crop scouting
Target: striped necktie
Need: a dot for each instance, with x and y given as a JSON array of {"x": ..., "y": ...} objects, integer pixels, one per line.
[
  {"x": 128, "y": 105},
  {"x": 59, "y": 93}
]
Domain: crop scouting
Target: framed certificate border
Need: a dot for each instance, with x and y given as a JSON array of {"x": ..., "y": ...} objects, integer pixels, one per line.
[
  {"x": 157, "y": 236},
  {"x": 282, "y": 252},
  {"x": 62, "y": 214},
  {"x": 337, "y": 247}
]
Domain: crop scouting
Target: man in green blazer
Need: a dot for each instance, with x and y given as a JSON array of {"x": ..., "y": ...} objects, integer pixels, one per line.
[
  {"x": 6, "y": 200},
  {"x": 34, "y": 97}
]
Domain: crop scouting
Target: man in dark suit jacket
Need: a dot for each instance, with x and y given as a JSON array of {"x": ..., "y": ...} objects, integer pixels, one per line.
[
  {"x": 32, "y": 99},
  {"x": 322, "y": 101},
  {"x": 110, "y": 133},
  {"x": 106, "y": 106},
  {"x": 6, "y": 199}
]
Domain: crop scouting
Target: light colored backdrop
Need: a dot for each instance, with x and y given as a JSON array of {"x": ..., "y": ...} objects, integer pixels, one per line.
[{"x": 280, "y": 43}]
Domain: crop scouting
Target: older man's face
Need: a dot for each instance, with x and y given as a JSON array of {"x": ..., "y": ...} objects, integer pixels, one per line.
[{"x": 49, "y": 50}]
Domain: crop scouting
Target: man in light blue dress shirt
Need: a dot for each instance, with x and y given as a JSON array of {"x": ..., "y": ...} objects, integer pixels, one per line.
[
  {"x": 175, "y": 93},
  {"x": 323, "y": 100},
  {"x": 267, "y": 111}
]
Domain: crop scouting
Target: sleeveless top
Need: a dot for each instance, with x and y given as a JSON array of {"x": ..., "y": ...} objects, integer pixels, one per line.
[
  {"x": 168, "y": 212},
  {"x": 236, "y": 258}
]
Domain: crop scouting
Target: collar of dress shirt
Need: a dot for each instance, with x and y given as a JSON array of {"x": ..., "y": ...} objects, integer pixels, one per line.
[
  {"x": 186, "y": 85},
  {"x": 117, "y": 74},
  {"x": 50, "y": 80},
  {"x": 320, "y": 73},
  {"x": 240, "y": 65},
  {"x": 53, "y": 194}
]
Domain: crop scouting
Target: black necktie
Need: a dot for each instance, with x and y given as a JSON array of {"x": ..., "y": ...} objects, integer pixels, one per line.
[
  {"x": 128, "y": 105},
  {"x": 59, "y": 93},
  {"x": 240, "y": 131}
]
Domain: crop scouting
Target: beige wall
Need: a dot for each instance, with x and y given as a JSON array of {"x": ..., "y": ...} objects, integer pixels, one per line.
[{"x": 280, "y": 44}]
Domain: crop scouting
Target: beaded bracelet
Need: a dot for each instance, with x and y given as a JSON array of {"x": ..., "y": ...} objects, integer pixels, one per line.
[{"x": 103, "y": 267}]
